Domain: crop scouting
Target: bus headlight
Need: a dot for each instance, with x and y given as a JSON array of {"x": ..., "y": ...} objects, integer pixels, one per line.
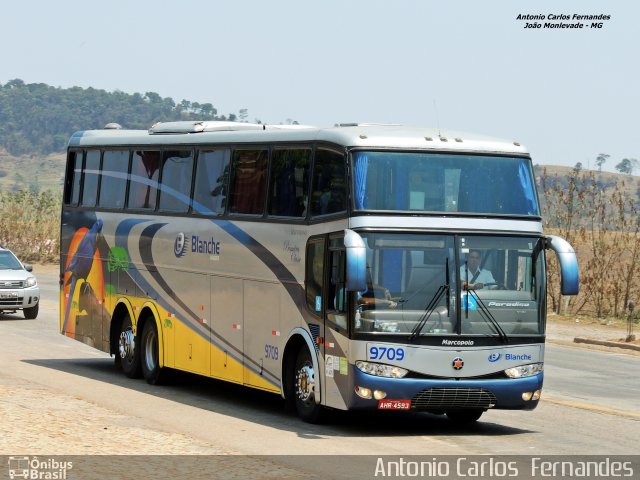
[
  {"x": 524, "y": 370},
  {"x": 381, "y": 370}
]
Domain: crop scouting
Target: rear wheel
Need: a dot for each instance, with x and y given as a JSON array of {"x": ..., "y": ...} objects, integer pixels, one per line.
[
  {"x": 304, "y": 388},
  {"x": 128, "y": 351},
  {"x": 462, "y": 417},
  {"x": 31, "y": 313},
  {"x": 149, "y": 354}
]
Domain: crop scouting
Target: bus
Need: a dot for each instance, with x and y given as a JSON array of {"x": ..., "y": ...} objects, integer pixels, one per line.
[{"x": 357, "y": 267}]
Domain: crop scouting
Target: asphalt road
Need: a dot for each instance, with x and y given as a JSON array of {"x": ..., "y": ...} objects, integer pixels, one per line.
[{"x": 589, "y": 406}]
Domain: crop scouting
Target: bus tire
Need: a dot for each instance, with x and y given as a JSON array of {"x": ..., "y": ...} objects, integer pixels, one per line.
[
  {"x": 149, "y": 354},
  {"x": 30, "y": 313},
  {"x": 463, "y": 417},
  {"x": 304, "y": 388},
  {"x": 128, "y": 350}
]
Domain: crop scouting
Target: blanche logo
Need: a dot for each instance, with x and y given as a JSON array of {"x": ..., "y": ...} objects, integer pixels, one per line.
[
  {"x": 513, "y": 356},
  {"x": 494, "y": 357},
  {"x": 26, "y": 467},
  {"x": 180, "y": 245},
  {"x": 207, "y": 246}
]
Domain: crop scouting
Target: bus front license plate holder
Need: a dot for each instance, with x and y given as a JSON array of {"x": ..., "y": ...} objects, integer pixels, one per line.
[{"x": 394, "y": 404}]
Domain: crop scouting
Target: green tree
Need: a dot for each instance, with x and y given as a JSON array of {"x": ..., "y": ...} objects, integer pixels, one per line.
[
  {"x": 600, "y": 160},
  {"x": 627, "y": 166}
]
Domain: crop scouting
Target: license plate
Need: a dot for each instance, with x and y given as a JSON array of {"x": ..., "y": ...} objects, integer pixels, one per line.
[
  {"x": 9, "y": 295},
  {"x": 394, "y": 404}
]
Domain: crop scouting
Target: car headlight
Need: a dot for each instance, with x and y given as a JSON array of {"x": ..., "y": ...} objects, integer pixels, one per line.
[
  {"x": 381, "y": 370},
  {"x": 524, "y": 370},
  {"x": 30, "y": 282}
]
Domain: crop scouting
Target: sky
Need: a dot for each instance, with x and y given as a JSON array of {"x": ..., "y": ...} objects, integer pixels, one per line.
[{"x": 459, "y": 65}]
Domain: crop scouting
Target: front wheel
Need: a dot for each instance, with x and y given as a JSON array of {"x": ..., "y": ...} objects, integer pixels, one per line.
[
  {"x": 463, "y": 417},
  {"x": 31, "y": 313},
  {"x": 128, "y": 351},
  {"x": 149, "y": 344},
  {"x": 304, "y": 388}
]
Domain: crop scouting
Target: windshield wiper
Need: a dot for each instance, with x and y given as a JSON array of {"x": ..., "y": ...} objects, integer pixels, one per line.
[
  {"x": 486, "y": 315},
  {"x": 427, "y": 312}
]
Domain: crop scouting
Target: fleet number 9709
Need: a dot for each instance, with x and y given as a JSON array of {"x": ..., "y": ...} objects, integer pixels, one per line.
[{"x": 379, "y": 352}]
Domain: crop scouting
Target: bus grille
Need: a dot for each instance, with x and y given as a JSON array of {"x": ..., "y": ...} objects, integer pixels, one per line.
[
  {"x": 444, "y": 398},
  {"x": 4, "y": 284}
]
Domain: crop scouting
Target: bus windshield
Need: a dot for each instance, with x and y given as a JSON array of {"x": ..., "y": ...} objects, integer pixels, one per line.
[
  {"x": 428, "y": 284},
  {"x": 433, "y": 182}
]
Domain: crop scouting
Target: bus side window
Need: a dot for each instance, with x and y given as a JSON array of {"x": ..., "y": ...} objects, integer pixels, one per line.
[
  {"x": 74, "y": 174},
  {"x": 143, "y": 189},
  {"x": 248, "y": 179},
  {"x": 90, "y": 178},
  {"x": 314, "y": 275},
  {"x": 212, "y": 180},
  {"x": 115, "y": 168},
  {"x": 177, "y": 169},
  {"x": 329, "y": 193},
  {"x": 288, "y": 189}
]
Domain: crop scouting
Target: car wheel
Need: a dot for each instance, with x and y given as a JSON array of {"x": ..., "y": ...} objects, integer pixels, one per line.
[{"x": 31, "y": 313}]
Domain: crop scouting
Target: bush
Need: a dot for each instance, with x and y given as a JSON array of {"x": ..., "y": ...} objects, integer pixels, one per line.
[{"x": 30, "y": 225}]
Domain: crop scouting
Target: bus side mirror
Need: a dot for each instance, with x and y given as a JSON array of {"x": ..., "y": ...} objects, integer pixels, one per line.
[
  {"x": 569, "y": 275},
  {"x": 356, "y": 268}
]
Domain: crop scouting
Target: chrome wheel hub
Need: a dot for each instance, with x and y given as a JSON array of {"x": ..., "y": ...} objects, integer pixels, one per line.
[
  {"x": 126, "y": 343},
  {"x": 305, "y": 383}
]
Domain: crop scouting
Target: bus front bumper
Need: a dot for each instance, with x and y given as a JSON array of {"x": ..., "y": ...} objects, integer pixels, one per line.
[{"x": 440, "y": 395}]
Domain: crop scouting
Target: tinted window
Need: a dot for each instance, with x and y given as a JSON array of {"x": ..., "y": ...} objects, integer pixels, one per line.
[
  {"x": 90, "y": 178},
  {"x": 289, "y": 186},
  {"x": 74, "y": 174},
  {"x": 314, "y": 275},
  {"x": 212, "y": 179},
  {"x": 115, "y": 166},
  {"x": 443, "y": 183},
  {"x": 329, "y": 183},
  {"x": 177, "y": 168},
  {"x": 143, "y": 189},
  {"x": 249, "y": 176}
]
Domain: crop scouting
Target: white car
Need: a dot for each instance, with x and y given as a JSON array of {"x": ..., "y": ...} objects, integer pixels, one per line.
[{"x": 18, "y": 287}]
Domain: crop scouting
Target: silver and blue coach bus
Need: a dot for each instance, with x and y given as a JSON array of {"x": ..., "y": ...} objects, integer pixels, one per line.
[{"x": 362, "y": 266}]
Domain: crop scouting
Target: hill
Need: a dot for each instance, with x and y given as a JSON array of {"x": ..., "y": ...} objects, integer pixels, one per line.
[
  {"x": 39, "y": 118},
  {"x": 630, "y": 184}
]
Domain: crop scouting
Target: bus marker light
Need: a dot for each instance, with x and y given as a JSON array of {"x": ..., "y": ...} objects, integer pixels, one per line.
[
  {"x": 379, "y": 394},
  {"x": 203, "y": 320},
  {"x": 526, "y": 396},
  {"x": 275, "y": 333},
  {"x": 363, "y": 392},
  {"x": 536, "y": 395},
  {"x": 236, "y": 326},
  {"x": 329, "y": 344}
]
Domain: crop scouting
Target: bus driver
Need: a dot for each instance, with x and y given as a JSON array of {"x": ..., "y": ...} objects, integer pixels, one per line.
[{"x": 477, "y": 277}]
